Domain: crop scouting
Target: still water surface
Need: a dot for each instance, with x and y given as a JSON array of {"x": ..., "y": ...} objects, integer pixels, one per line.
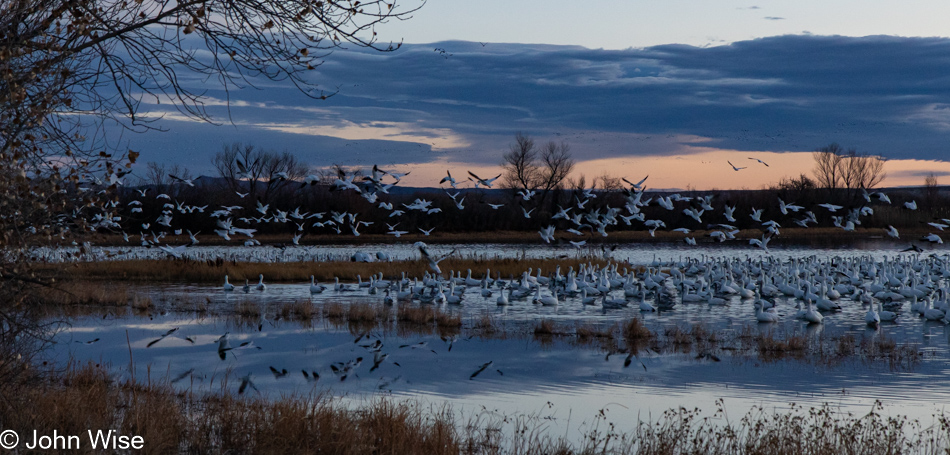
[{"x": 561, "y": 383}]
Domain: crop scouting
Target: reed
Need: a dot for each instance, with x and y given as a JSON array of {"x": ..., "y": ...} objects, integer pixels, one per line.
[
  {"x": 183, "y": 422},
  {"x": 334, "y": 310},
  {"x": 588, "y": 331},
  {"x": 679, "y": 337},
  {"x": 416, "y": 315},
  {"x": 773, "y": 348},
  {"x": 485, "y": 324},
  {"x": 365, "y": 313},
  {"x": 845, "y": 345},
  {"x": 84, "y": 293},
  {"x": 634, "y": 330},
  {"x": 545, "y": 328},
  {"x": 445, "y": 320},
  {"x": 247, "y": 310}
]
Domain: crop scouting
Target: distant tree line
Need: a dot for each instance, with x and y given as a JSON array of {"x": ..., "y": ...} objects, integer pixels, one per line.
[{"x": 249, "y": 176}]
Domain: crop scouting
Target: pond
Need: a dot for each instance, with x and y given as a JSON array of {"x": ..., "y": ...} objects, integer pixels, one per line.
[{"x": 559, "y": 379}]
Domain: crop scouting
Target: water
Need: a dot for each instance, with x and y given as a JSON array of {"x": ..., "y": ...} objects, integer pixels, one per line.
[
  {"x": 565, "y": 385},
  {"x": 559, "y": 382}
]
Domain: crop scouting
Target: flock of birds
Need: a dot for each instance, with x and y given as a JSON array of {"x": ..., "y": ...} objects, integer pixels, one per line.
[
  {"x": 584, "y": 219},
  {"x": 809, "y": 290},
  {"x": 816, "y": 287}
]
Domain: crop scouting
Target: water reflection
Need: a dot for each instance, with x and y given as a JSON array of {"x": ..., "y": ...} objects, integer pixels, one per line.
[{"x": 525, "y": 374}]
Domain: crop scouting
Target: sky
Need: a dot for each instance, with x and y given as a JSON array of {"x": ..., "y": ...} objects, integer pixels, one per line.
[{"x": 683, "y": 91}]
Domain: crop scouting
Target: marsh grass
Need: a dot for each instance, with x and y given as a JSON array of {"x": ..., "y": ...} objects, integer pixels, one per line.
[
  {"x": 486, "y": 325},
  {"x": 770, "y": 345},
  {"x": 365, "y": 313},
  {"x": 85, "y": 293},
  {"x": 445, "y": 320},
  {"x": 634, "y": 330},
  {"x": 679, "y": 337},
  {"x": 247, "y": 310},
  {"x": 589, "y": 331},
  {"x": 545, "y": 330},
  {"x": 173, "y": 421},
  {"x": 416, "y": 315}
]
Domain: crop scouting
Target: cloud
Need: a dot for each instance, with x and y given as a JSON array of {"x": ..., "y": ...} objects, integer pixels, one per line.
[
  {"x": 881, "y": 94},
  {"x": 774, "y": 18}
]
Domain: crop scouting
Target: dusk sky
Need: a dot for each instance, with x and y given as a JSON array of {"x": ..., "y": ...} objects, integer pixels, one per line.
[{"x": 671, "y": 89}]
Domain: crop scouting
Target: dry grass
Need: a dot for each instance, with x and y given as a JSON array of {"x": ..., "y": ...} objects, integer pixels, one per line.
[
  {"x": 634, "y": 330},
  {"x": 701, "y": 334},
  {"x": 248, "y": 310},
  {"x": 846, "y": 345},
  {"x": 416, "y": 315},
  {"x": 334, "y": 310},
  {"x": 444, "y": 320},
  {"x": 67, "y": 293},
  {"x": 485, "y": 324},
  {"x": 771, "y": 348},
  {"x": 545, "y": 328},
  {"x": 589, "y": 331},
  {"x": 365, "y": 313},
  {"x": 302, "y": 311},
  {"x": 898, "y": 356},
  {"x": 181, "y": 423},
  {"x": 174, "y": 422}
]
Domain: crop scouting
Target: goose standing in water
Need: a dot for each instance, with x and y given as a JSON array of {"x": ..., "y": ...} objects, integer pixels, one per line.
[
  {"x": 644, "y": 306},
  {"x": 503, "y": 299},
  {"x": 548, "y": 300},
  {"x": 247, "y": 286},
  {"x": 764, "y": 316},
  {"x": 260, "y": 283},
  {"x": 884, "y": 315},
  {"x": 314, "y": 287},
  {"x": 587, "y": 300},
  {"x": 227, "y": 286},
  {"x": 485, "y": 291},
  {"x": 872, "y": 318},
  {"x": 439, "y": 297},
  {"x": 340, "y": 287},
  {"x": 811, "y": 315}
]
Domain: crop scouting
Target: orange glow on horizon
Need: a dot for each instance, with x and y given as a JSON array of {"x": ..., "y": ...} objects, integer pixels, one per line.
[{"x": 699, "y": 171}]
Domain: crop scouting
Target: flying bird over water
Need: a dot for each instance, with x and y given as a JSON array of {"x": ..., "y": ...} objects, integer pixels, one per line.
[
  {"x": 433, "y": 263},
  {"x": 152, "y": 343},
  {"x": 763, "y": 162},
  {"x": 484, "y": 182},
  {"x": 245, "y": 383},
  {"x": 480, "y": 369}
]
